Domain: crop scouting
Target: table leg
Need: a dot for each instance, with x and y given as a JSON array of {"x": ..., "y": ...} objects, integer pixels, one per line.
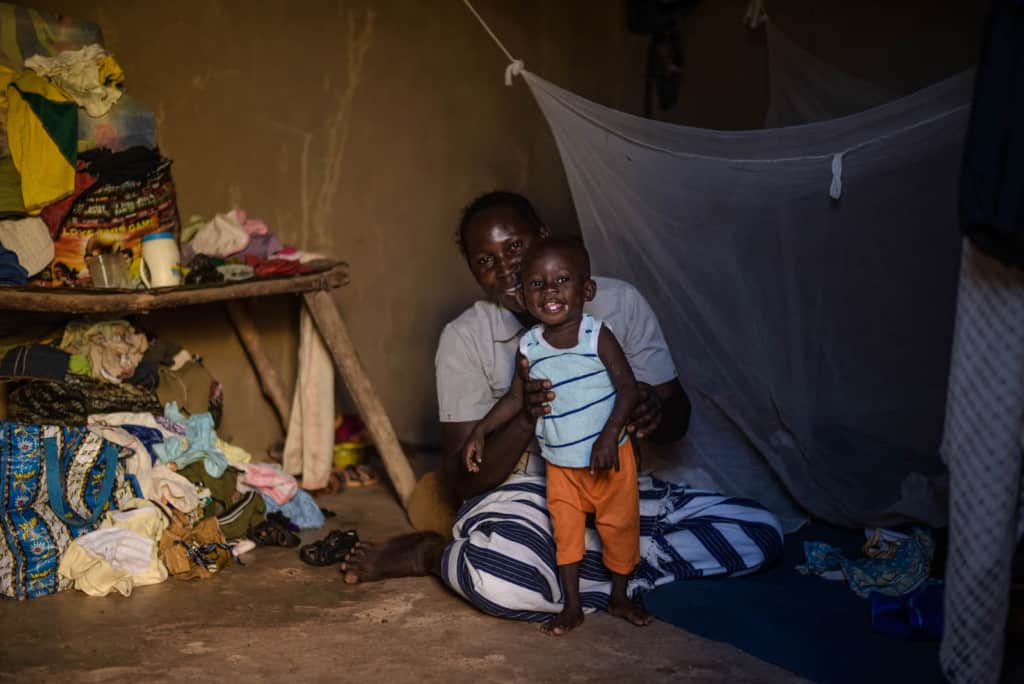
[
  {"x": 335, "y": 335},
  {"x": 270, "y": 381}
]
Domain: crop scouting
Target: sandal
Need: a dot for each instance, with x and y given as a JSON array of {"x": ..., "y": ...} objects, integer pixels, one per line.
[
  {"x": 358, "y": 476},
  {"x": 331, "y": 549},
  {"x": 274, "y": 531}
]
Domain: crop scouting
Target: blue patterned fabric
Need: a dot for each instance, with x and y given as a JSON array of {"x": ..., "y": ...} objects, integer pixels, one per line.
[
  {"x": 905, "y": 571},
  {"x": 301, "y": 509},
  {"x": 32, "y": 535}
]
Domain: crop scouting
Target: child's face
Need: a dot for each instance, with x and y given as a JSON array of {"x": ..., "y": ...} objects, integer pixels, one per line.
[{"x": 555, "y": 286}]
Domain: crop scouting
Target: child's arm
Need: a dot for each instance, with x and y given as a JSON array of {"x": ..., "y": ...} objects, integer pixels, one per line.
[
  {"x": 605, "y": 453},
  {"x": 502, "y": 412}
]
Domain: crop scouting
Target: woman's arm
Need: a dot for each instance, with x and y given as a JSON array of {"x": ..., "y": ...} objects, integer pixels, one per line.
[{"x": 505, "y": 446}]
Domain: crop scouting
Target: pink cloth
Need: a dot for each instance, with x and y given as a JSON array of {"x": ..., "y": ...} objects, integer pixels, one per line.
[
  {"x": 251, "y": 226},
  {"x": 269, "y": 479}
]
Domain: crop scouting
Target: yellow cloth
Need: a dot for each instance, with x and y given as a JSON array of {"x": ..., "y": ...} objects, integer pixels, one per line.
[
  {"x": 234, "y": 454},
  {"x": 47, "y": 174},
  {"x": 96, "y": 575}
]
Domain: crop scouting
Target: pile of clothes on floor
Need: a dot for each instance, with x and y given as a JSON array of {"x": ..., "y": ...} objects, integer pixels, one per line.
[{"x": 112, "y": 474}]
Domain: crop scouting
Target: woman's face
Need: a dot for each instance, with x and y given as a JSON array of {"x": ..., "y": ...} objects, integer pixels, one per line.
[{"x": 496, "y": 240}]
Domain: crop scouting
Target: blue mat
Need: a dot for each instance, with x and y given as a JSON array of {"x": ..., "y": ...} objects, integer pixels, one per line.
[{"x": 816, "y": 628}]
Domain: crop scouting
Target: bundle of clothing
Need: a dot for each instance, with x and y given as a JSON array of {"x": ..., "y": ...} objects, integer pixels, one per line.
[
  {"x": 61, "y": 376},
  {"x": 234, "y": 246}
]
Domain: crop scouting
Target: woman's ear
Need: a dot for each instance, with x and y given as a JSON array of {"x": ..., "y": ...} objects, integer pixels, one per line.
[
  {"x": 544, "y": 232},
  {"x": 589, "y": 290}
]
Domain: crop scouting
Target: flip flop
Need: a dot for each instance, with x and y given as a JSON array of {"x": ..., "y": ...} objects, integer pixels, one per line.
[
  {"x": 274, "y": 532},
  {"x": 329, "y": 550},
  {"x": 367, "y": 475}
]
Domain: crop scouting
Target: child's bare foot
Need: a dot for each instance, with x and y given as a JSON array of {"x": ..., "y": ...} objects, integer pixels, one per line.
[
  {"x": 563, "y": 623},
  {"x": 630, "y": 611}
]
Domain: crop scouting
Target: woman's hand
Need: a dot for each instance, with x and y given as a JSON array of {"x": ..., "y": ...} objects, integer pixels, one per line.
[
  {"x": 473, "y": 452},
  {"x": 537, "y": 394},
  {"x": 647, "y": 414}
]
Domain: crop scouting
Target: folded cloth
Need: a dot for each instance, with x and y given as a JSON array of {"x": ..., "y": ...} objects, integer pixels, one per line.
[
  {"x": 301, "y": 509},
  {"x": 35, "y": 361},
  {"x": 268, "y": 479},
  {"x": 71, "y": 401}
]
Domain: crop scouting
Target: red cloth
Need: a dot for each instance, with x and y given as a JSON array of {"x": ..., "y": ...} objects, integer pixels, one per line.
[
  {"x": 273, "y": 267},
  {"x": 53, "y": 215}
]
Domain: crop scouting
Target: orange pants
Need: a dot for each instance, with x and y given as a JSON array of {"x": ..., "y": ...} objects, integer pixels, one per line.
[{"x": 614, "y": 499}]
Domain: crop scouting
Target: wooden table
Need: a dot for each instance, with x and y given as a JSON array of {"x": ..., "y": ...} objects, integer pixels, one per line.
[{"x": 314, "y": 288}]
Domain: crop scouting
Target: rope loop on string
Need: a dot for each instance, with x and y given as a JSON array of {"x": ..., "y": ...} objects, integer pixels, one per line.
[{"x": 513, "y": 69}]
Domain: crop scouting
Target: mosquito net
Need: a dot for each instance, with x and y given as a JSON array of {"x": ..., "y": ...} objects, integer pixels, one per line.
[{"x": 805, "y": 278}]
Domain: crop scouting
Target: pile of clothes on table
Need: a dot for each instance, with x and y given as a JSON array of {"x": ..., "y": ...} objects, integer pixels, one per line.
[
  {"x": 66, "y": 125},
  {"x": 112, "y": 474},
  {"x": 81, "y": 177},
  {"x": 233, "y": 246}
]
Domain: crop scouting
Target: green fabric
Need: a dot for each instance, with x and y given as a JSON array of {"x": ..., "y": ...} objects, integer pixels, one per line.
[
  {"x": 236, "y": 513},
  {"x": 79, "y": 365},
  {"x": 60, "y": 119},
  {"x": 11, "y": 203}
]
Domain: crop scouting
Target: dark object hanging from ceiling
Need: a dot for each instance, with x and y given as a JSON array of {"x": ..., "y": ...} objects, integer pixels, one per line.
[{"x": 660, "y": 20}]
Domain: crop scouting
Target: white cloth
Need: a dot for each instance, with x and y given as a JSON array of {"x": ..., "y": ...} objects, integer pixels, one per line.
[
  {"x": 982, "y": 447},
  {"x": 174, "y": 489},
  {"x": 77, "y": 73},
  {"x": 221, "y": 236},
  {"x": 120, "y": 555},
  {"x": 309, "y": 446},
  {"x": 820, "y": 328}
]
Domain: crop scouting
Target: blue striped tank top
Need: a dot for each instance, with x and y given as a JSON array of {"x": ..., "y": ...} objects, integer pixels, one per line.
[{"x": 584, "y": 395}]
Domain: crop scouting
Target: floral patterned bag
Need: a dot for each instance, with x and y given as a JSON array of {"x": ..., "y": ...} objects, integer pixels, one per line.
[{"x": 55, "y": 483}]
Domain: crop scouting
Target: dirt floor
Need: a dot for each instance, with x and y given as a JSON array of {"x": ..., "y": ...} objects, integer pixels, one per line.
[{"x": 276, "y": 619}]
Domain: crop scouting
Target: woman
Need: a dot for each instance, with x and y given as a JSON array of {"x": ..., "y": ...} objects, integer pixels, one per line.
[{"x": 501, "y": 556}]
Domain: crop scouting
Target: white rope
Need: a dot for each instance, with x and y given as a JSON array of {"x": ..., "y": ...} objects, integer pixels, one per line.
[
  {"x": 755, "y": 14},
  {"x": 515, "y": 66}
]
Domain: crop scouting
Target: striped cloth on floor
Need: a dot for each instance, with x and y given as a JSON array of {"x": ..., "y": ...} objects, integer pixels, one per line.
[{"x": 502, "y": 557}]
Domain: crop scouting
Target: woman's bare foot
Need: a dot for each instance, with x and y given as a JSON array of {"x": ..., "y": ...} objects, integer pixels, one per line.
[
  {"x": 630, "y": 611},
  {"x": 563, "y": 623},
  {"x": 406, "y": 556}
]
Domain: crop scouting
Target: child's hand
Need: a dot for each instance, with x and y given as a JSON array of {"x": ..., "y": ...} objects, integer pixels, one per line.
[
  {"x": 473, "y": 453},
  {"x": 605, "y": 454}
]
